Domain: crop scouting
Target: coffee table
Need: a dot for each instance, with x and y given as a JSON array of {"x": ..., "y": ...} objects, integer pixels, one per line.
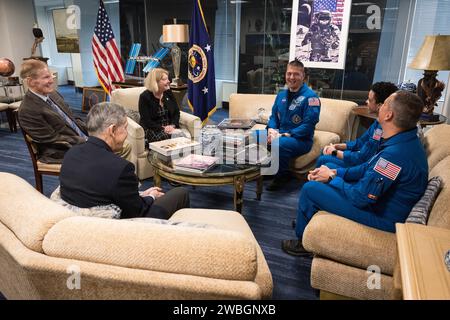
[{"x": 221, "y": 174}]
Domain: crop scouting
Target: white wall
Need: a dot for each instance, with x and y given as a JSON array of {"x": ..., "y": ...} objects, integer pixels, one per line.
[{"x": 16, "y": 23}]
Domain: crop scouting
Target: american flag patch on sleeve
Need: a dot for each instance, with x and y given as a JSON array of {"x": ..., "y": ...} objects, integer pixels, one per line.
[
  {"x": 314, "y": 102},
  {"x": 377, "y": 134},
  {"x": 387, "y": 169}
]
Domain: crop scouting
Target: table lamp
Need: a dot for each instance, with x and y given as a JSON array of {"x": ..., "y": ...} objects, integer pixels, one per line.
[
  {"x": 176, "y": 33},
  {"x": 434, "y": 55}
]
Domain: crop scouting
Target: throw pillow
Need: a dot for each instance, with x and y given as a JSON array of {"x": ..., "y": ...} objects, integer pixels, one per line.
[
  {"x": 262, "y": 116},
  {"x": 110, "y": 211},
  {"x": 419, "y": 213}
]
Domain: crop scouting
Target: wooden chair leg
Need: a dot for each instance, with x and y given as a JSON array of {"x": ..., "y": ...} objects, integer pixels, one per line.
[
  {"x": 10, "y": 117},
  {"x": 38, "y": 178},
  {"x": 15, "y": 119}
]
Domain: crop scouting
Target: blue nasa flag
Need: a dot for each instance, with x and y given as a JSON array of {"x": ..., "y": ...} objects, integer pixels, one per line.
[{"x": 201, "y": 84}]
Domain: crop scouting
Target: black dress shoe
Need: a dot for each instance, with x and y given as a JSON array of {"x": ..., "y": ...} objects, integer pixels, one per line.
[
  {"x": 295, "y": 248},
  {"x": 174, "y": 184}
]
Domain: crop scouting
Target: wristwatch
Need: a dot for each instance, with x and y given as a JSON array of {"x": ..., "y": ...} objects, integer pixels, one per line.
[
  {"x": 334, "y": 153},
  {"x": 331, "y": 177}
]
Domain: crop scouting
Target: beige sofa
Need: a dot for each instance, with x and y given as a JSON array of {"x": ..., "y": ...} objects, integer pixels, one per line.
[
  {"x": 46, "y": 252},
  {"x": 129, "y": 98},
  {"x": 337, "y": 122},
  {"x": 343, "y": 249}
]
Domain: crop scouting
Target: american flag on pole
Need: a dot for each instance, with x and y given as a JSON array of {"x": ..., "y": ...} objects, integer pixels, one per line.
[
  {"x": 336, "y": 7},
  {"x": 107, "y": 62},
  {"x": 387, "y": 168}
]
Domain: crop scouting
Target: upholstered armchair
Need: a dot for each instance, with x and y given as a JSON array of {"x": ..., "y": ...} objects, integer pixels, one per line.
[
  {"x": 129, "y": 99},
  {"x": 345, "y": 250}
]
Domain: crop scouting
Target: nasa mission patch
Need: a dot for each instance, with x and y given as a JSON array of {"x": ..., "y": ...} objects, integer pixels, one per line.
[{"x": 198, "y": 64}]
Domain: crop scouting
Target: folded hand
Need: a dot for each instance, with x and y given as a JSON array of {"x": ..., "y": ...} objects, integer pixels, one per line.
[
  {"x": 321, "y": 174},
  {"x": 328, "y": 149},
  {"x": 154, "y": 191}
]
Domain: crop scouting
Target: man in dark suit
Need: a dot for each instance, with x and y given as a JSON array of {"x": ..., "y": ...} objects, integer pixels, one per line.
[
  {"x": 92, "y": 175},
  {"x": 45, "y": 116}
]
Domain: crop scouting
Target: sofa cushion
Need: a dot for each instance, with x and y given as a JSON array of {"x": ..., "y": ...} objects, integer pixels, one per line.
[
  {"x": 212, "y": 253},
  {"x": 321, "y": 139},
  {"x": 437, "y": 146},
  {"x": 349, "y": 242},
  {"x": 128, "y": 97},
  {"x": 172, "y": 223},
  {"x": 246, "y": 106},
  {"x": 336, "y": 116},
  {"x": 19, "y": 214},
  {"x": 440, "y": 214},
  {"x": 233, "y": 221},
  {"x": 419, "y": 213},
  {"x": 348, "y": 281}
]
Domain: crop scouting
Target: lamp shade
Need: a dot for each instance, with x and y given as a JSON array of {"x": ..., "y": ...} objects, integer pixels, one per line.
[
  {"x": 176, "y": 33},
  {"x": 434, "y": 54}
]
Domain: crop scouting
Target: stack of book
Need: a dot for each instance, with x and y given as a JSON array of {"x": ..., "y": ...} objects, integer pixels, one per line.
[
  {"x": 229, "y": 123},
  {"x": 233, "y": 142},
  {"x": 174, "y": 148},
  {"x": 194, "y": 163}
]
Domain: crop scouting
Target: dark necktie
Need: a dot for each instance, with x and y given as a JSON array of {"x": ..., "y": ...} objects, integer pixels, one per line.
[{"x": 66, "y": 118}]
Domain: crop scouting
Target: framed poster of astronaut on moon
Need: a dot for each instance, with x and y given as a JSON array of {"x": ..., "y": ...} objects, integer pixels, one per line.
[{"x": 319, "y": 32}]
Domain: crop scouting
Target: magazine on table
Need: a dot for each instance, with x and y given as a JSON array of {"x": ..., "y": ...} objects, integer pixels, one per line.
[
  {"x": 196, "y": 163},
  {"x": 175, "y": 146},
  {"x": 229, "y": 123}
]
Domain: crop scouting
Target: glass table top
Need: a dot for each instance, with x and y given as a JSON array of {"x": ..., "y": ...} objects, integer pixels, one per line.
[{"x": 218, "y": 170}]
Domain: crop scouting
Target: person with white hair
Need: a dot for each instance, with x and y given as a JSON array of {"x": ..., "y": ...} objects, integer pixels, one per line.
[
  {"x": 47, "y": 118},
  {"x": 93, "y": 175}
]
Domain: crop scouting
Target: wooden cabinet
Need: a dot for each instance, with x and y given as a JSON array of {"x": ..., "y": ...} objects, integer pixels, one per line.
[{"x": 422, "y": 251}]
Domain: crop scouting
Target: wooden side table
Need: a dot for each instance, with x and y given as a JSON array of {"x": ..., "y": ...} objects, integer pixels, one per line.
[
  {"x": 422, "y": 251},
  {"x": 367, "y": 117}
]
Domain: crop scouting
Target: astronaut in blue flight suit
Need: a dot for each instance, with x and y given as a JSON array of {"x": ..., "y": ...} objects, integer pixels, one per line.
[
  {"x": 352, "y": 153},
  {"x": 295, "y": 114},
  {"x": 379, "y": 192}
]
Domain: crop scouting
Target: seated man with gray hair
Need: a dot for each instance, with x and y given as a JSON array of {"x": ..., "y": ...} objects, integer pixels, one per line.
[
  {"x": 93, "y": 175},
  {"x": 47, "y": 118}
]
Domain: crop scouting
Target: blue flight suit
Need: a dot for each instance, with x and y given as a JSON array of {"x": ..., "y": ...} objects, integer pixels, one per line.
[
  {"x": 377, "y": 193},
  {"x": 298, "y": 119},
  {"x": 358, "y": 151}
]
